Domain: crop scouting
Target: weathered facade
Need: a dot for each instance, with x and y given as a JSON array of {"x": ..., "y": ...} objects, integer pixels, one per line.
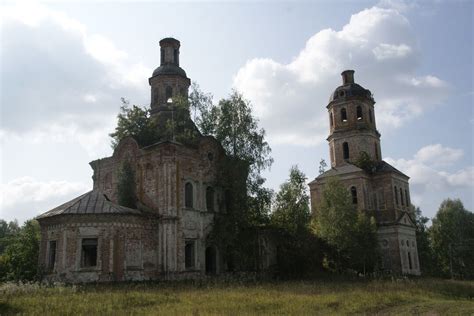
[
  {"x": 382, "y": 191},
  {"x": 93, "y": 238}
]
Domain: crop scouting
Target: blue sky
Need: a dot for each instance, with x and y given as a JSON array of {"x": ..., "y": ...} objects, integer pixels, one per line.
[{"x": 64, "y": 67}]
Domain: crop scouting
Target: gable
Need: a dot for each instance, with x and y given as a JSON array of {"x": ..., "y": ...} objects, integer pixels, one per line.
[{"x": 406, "y": 219}]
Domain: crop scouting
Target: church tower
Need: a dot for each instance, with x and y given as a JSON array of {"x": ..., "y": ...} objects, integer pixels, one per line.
[
  {"x": 352, "y": 123},
  {"x": 168, "y": 81},
  {"x": 378, "y": 189}
]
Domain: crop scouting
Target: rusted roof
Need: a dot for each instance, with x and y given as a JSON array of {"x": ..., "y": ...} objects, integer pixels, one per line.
[{"x": 92, "y": 202}]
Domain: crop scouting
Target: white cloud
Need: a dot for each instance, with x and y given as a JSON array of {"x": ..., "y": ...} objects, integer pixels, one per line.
[
  {"x": 378, "y": 43},
  {"x": 429, "y": 175},
  {"x": 61, "y": 82},
  {"x": 387, "y": 51},
  {"x": 437, "y": 155},
  {"x": 26, "y": 197}
]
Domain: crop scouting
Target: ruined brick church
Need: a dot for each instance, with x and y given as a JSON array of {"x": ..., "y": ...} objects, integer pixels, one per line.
[
  {"x": 382, "y": 191},
  {"x": 93, "y": 238}
]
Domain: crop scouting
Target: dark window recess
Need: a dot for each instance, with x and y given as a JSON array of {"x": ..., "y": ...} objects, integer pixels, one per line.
[
  {"x": 345, "y": 150},
  {"x": 162, "y": 56},
  {"x": 370, "y": 116},
  {"x": 210, "y": 199},
  {"x": 330, "y": 119},
  {"x": 89, "y": 252},
  {"x": 52, "y": 254},
  {"x": 343, "y": 115},
  {"x": 359, "y": 113},
  {"x": 176, "y": 56},
  {"x": 169, "y": 93},
  {"x": 406, "y": 198},
  {"x": 401, "y": 197},
  {"x": 188, "y": 195},
  {"x": 354, "y": 195},
  {"x": 189, "y": 254},
  {"x": 396, "y": 195},
  {"x": 409, "y": 260},
  {"x": 376, "y": 151}
]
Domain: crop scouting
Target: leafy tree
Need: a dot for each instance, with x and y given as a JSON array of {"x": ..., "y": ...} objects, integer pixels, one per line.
[
  {"x": 322, "y": 166},
  {"x": 126, "y": 186},
  {"x": 7, "y": 232},
  {"x": 136, "y": 122},
  {"x": 428, "y": 262},
  {"x": 364, "y": 162},
  {"x": 19, "y": 262},
  {"x": 291, "y": 207},
  {"x": 351, "y": 234},
  {"x": 248, "y": 203},
  {"x": 452, "y": 234},
  {"x": 298, "y": 248}
]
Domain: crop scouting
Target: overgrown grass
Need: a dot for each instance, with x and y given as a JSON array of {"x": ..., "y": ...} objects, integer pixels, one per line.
[{"x": 316, "y": 297}]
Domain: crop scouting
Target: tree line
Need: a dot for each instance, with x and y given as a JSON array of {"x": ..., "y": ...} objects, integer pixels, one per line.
[{"x": 339, "y": 239}]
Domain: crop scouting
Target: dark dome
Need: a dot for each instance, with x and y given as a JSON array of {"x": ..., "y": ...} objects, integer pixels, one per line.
[
  {"x": 169, "y": 69},
  {"x": 350, "y": 90}
]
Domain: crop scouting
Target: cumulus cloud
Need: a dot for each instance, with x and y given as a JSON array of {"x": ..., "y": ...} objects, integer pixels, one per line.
[
  {"x": 57, "y": 75},
  {"x": 430, "y": 173},
  {"x": 26, "y": 197},
  {"x": 378, "y": 43}
]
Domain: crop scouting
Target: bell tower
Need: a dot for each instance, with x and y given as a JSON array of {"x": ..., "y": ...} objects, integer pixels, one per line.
[
  {"x": 168, "y": 81},
  {"x": 352, "y": 123}
]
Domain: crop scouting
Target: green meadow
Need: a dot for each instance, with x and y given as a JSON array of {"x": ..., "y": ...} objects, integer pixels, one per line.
[{"x": 213, "y": 297}]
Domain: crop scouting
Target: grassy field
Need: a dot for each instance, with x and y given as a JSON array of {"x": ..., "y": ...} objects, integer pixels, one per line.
[{"x": 323, "y": 297}]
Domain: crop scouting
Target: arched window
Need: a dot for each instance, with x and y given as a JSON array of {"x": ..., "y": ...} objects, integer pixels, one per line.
[
  {"x": 345, "y": 150},
  {"x": 401, "y": 197},
  {"x": 162, "y": 56},
  {"x": 376, "y": 151},
  {"x": 370, "y": 116},
  {"x": 188, "y": 195},
  {"x": 396, "y": 195},
  {"x": 330, "y": 119},
  {"x": 175, "y": 56},
  {"x": 343, "y": 115},
  {"x": 406, "y": 197},
  {"x": 359, "y": 113},
  {"x": 169, "y": 93},
  {"x": 210, "y": 199},
  {"x": 354, "y": 195}
]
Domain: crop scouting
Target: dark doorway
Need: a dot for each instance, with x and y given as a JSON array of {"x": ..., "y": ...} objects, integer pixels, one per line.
[{"x": 211, "y": 260}]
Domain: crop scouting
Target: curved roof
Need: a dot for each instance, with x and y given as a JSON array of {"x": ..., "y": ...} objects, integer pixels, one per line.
[
  {"x": 350, "y": 90},
  {"x": 169, "y": 69},
  {"x": 92, "y": 202},
  {"x": 170, "y": 40}
]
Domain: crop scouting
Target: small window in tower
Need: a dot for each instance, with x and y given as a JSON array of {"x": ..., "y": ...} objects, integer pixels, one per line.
[
  {"x": 330, "y": 119},
  {"x": 354, "y": 195},
  {"x": 359, "y": 113},
  {"x": 188, "y": 195},
  {"x": 376, "y": 151},
  {"x": 210, "y": 199},
  {"x": 401, "y": 197},
  {"x": 345, "y": 150},
  {"x": 409, "y": 260},
  {"x": 189, "y": 254},
  {"x": 396, "y": 195},
  {"x": 343, "y": 115},
  {"x": 169, "y": 94},
  {"x": 52, "y": 254},
  {"x": 406, "y": 197},
  {"x": 175, "y": 56},
  {"x": 370, "y": 116},
  {"x": 89, "y": 252},
  {"x": 162, "y": 56}
]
